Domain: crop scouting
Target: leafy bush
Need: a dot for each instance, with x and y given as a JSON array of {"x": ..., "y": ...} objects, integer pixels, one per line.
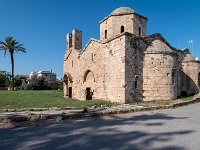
[
  {"x": 37, "y": 83},
  {"x": 56, "y": 85},
  {"x": 5, "y": 77}
]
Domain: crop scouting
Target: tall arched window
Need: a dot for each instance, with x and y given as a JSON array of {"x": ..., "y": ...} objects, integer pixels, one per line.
[
  {"x": 105, "y": 34},
  {"x": 122, "y": 29},
  {"x": 88, "y": 76}
]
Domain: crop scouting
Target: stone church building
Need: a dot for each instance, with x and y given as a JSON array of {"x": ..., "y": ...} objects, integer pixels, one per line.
[{"x": 125, "y": 64}]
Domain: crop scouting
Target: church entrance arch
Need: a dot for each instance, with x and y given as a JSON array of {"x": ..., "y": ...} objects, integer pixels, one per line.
[
  {"x": 67, "y": 85},
  {"x": 89, "y": 84},
  {"x": 88, "y": 93}
]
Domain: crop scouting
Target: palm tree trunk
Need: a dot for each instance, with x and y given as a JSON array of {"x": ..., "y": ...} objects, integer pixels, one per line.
[{"x": 12, "y": 64}]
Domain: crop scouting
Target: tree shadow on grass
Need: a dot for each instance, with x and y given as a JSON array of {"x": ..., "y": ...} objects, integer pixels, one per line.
[{"x": 109, "y": 133}]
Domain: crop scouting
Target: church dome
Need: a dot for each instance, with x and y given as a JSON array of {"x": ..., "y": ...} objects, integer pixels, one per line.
[{"x": 123, "y": 11}]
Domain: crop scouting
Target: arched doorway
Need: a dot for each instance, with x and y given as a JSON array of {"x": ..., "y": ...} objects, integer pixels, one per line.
[
  {"x": 67, "y": 79},
  {"x": 88, "y": 84}
]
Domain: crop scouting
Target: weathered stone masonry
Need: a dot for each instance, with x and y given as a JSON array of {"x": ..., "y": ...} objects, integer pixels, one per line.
[{"x": 126, "y": 65}]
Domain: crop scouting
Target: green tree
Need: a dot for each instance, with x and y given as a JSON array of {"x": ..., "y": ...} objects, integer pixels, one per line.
[
  {"x": 58, "y": 85},
  {"x": 37, "y": 83},
  {"x": 18, "y": 82},
  {"x": 4, "y": 76},
  {"x": 11, "y": 45}
]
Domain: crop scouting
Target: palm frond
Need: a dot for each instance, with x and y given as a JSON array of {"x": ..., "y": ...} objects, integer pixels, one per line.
[
  {"x": 3, "y": 43},
  {"x": 11, "y": 45}
]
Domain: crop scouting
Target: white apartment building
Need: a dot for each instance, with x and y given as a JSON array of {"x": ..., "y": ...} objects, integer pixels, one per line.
[{"x": 47, "y": 75}]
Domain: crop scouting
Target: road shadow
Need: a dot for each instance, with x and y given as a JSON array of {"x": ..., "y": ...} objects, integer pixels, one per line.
[{"x": 99, "y": 133}]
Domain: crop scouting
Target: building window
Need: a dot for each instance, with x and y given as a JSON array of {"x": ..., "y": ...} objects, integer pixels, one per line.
[
  {"x": 140, "y": 33},
  {"x": 135, "y": 84},
  {"x": 105, "y": 34},
  {"x": 122, "y": 29}
]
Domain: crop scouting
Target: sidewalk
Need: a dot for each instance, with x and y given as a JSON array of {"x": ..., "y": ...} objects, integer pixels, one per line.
[{"x": 35, "y": 114}]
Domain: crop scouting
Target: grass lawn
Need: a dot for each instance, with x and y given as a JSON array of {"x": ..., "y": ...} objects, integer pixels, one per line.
[
  {"x": 42, "y": 99},
  {"x": 51, "y": 98}
]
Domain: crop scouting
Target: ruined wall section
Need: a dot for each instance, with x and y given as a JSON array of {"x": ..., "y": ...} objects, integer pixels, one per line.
[
  {"x": 72, "y": 63},
  {"x": 160, "y": 72},
  {"x": 77, "y": 39}
]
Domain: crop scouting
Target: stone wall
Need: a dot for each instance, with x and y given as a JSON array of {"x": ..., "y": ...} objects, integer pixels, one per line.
[
  {"x": 114, "y": 69},
  {"x": 102, "y": 62}
]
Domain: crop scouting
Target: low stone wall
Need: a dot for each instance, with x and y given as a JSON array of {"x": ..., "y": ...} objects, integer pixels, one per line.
[{"x": 126, "y": 108}]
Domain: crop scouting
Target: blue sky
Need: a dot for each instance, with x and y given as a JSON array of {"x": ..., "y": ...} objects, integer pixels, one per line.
[{"x": 42, "y": 25}]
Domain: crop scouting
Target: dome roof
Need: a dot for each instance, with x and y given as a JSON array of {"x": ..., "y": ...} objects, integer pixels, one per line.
[{"x": 123, "y": 11}]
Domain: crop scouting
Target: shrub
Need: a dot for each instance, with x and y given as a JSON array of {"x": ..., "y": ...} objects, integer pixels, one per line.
[{"x": 37, "y": 83}]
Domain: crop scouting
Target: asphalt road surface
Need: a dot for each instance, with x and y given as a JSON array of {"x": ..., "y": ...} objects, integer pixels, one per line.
[{"x": 173, "y": 129}]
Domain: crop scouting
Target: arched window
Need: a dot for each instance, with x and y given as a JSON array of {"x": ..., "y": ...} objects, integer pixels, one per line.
[
  {"x": 122, "y": 29},
  {"x": 105, "y": 34},
  {"x": 88, "y": 76}
]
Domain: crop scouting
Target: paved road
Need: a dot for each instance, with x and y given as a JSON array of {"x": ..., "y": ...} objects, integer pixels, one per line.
[{"x": 175, "y": 129}]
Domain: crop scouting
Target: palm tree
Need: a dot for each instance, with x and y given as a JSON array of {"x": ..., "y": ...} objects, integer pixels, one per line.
[{"x": 11, "y": 45}]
